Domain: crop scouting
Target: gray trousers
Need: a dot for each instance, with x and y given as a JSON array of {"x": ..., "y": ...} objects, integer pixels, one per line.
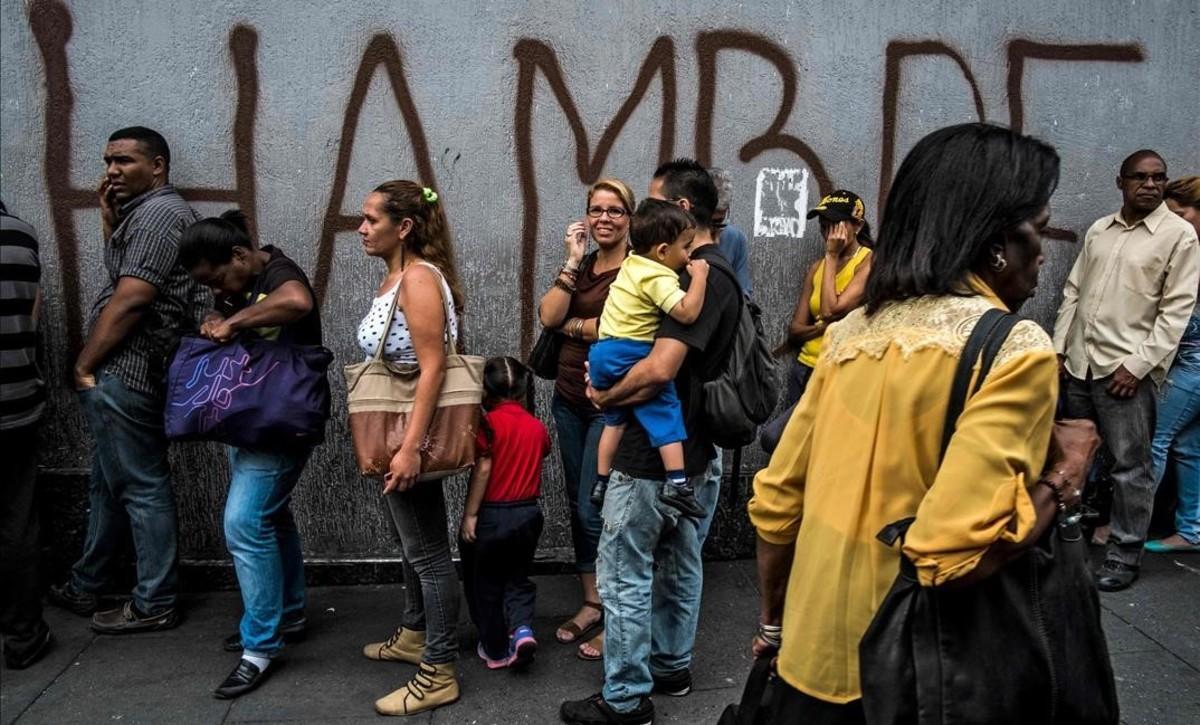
[
  {"x": 1127, "y": 428},
  {"x": 431, "y": 593}
]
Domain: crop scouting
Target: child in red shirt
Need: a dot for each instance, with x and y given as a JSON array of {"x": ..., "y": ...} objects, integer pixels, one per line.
[{"x": 502, "y": 519}]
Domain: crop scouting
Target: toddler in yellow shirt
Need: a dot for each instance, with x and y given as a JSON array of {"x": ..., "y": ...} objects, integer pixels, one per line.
[{"x": 646, "y": 288}]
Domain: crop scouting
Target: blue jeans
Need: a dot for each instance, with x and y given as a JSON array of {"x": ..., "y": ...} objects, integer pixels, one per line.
[
  {"x": 578, "y": 437},
  {"x": 650, "y": 575},
  {"x": 1178, "y": 432},
  {"x": 129, "y": 492},
  {"x": 262, "y": 538}
]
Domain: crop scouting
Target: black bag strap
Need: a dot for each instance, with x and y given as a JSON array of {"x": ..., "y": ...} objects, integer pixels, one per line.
[
  {"x": 982, "y": 345},
  {"x": 752, "y": 693},
  {"x": 719, "y": 262}
]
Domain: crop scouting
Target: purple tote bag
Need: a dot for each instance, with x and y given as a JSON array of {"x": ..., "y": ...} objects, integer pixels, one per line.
[{"x": 249, "y": 393}]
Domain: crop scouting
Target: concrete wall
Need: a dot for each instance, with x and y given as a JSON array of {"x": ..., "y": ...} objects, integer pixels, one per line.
[{"x": 294, "y": 110}]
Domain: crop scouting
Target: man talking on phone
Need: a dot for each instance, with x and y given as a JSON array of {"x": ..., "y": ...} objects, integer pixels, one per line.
[{"x": 147, "y": 300}]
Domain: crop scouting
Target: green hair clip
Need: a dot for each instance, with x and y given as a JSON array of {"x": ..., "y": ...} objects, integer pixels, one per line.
[{"x": 429, "y": 195}]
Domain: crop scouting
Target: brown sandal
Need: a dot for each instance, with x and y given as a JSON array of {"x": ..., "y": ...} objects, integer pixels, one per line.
[
  {"x": 596, "y": 643},
  {"x": 581, "y": 633}
]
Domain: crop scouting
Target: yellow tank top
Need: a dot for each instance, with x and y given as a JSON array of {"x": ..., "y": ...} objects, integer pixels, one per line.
[{"x": 812, "y": 349}]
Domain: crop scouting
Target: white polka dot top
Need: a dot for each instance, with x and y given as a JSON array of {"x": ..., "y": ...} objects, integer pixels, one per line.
[{"x": 398, "y": 347}]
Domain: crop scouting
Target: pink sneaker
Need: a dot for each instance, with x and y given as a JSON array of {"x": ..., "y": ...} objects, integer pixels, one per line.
[{"x": 491, "y": 663}]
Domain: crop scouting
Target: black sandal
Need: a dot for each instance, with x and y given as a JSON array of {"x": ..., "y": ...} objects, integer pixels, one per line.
[{"x": 581, "y": 634}]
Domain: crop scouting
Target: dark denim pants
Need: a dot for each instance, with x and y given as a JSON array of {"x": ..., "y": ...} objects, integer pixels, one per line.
[
  {"x": 496, "y": 569},
  {"x": 20, "y": 591},
  {"x": 578, "y": 437},
  {"x": 261, "y": 535},
  {"x": 130, "y": 492},
  {"x": 430, "y": 581},
  {"x": 1127, "y": 428}
]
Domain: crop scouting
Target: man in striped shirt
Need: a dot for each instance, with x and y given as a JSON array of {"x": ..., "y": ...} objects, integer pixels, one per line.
[
  {"x": 148, "y": 300},
  {"x": 22, "y": 392}
]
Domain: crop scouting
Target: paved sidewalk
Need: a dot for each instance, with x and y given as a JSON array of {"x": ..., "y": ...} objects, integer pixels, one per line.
[{"x": 1153, "y": 629}]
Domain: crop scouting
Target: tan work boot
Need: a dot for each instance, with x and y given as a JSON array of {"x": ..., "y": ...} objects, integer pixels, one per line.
[
  {"x": 406, "y": 645},
  {"x": 432, "y": 686}
]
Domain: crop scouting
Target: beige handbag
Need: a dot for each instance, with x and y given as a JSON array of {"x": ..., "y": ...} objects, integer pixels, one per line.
[{"x": 380, "y": 398}]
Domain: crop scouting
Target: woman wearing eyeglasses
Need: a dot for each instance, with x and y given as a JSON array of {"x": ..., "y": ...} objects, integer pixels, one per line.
[{"x": 572, "y": 306}]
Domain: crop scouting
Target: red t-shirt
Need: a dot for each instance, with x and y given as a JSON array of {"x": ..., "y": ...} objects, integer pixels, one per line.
[{"x": 519, "y": 443}]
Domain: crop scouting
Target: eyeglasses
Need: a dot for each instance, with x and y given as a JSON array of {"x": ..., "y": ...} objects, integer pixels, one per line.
[
  {"x": 613, "y": 212},
  {"x": 1141, "y": 177}
]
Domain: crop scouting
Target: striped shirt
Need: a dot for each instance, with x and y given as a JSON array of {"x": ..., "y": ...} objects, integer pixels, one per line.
[
  {"x": 145, "y": 245},
  {"x": 22, "y": 391}
]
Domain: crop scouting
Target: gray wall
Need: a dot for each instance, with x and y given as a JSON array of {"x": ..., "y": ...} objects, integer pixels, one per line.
[{"x": 294, "y": 110}]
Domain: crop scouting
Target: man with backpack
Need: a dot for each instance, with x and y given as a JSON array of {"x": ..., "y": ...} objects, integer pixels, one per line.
[{"x": 649, "y": 568}]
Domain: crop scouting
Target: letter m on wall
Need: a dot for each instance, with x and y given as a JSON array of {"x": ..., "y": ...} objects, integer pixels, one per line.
[{"x": 534, "y": 55}]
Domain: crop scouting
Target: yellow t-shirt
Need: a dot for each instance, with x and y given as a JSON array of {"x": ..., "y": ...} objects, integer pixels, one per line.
[
  {"x": 811, "y": 352},
  {"x": 642, "y": 292},
  {"x": 861, "y": 451}
]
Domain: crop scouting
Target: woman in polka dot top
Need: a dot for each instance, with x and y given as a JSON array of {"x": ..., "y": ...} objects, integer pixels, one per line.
[{"x": 404, "y": 225}]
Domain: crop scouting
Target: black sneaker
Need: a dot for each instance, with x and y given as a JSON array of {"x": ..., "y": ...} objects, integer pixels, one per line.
[
  {"x": 683, "y": 497},
  {"x": 65, "y": 595},
  {"x": 292, "y": 632},
  {"x": 595, "y": 711},
  {"x": 598, "y": 492},
  {"x": 673, "y": 684},
  {"x": 27, "y": 656}
]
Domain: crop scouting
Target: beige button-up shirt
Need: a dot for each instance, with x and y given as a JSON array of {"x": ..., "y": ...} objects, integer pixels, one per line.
[{"x": 1129, "y": 296}]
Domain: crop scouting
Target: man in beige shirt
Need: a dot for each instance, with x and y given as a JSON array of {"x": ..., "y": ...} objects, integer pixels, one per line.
[{"x": 1126, "y": 303}]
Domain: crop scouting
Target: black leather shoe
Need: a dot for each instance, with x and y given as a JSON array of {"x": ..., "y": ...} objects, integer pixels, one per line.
[
  {"x": 19, "y": 659},
  {"x": 292, "y": 632},
  {"x": 65, "y": 595},
  {"x": 1114, "y": 576},
  {"x": 244, "y": 678}
]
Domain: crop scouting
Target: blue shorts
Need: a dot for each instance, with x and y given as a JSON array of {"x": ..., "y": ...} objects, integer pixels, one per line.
[{"x": 661, "y": 416}]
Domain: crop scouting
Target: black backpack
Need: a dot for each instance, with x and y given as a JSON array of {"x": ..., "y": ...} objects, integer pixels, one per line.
[{"x": 743, "y": 394}]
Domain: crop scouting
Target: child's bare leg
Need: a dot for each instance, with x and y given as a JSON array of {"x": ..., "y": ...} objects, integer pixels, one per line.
[
  {"x": 672, "y": 455},
  {"x": 606, "y": 451}
]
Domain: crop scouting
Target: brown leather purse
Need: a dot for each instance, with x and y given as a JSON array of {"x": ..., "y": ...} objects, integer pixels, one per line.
[{"x": 380, "y": 398}]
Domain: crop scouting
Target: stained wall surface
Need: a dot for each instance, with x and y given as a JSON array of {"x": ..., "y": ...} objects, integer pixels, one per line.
[{"x": 295, "y": 110}]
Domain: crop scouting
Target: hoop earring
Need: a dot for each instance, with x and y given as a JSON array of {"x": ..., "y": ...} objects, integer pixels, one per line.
[{"x": 998, "y": 263}]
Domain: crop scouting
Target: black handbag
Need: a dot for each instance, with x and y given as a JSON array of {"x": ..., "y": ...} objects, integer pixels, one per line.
[
  {"x": 543, "y": 358},
  {"x": 754, "y": 708},
  {"x": 1024, "y": 645}
]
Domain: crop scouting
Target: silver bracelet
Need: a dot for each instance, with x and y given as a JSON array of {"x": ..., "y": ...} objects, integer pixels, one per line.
[{"x": 771, "y": 634}]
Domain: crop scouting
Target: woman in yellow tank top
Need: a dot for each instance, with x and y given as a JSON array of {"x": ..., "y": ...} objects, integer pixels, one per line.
[{"x": 834, "y": 284}]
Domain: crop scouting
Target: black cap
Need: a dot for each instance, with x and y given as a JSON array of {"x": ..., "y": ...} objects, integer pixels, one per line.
[{"x": 839, "y": 206}]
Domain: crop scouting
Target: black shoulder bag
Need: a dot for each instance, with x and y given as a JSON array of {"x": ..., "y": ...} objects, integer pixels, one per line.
[
  {"x": 543, "y": 358},
  {"x": 1024, "y": 645},
  {"x": 754, "y": 708}
]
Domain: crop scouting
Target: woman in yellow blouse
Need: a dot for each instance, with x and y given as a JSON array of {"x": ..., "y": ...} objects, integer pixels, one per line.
[
  {"x": 961, "y": 233},
  {"x": 833, "y": 286}
]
